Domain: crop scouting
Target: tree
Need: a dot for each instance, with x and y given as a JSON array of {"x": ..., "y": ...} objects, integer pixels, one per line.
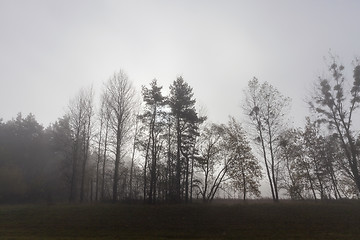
[
  {"x": 132, "y": 166},
  {"x": 311, "y": 163},
  {"x": 182, "y": 105},
  {"x": 336, "y": 105},
  {"x": 80, "y": 115},
  {"x": 244, "y": 169},
  {"x": 104, "y": 117},
  {"x": 87, "y": 135},
  {"x": 325, "y": 161},
  {"x": 62, "y": 147},
  {"x": 266, "y": 108},
  {"x": 103, "y": 127},
  {"x": 30, "y": 168},
  {"x": 225, "y": 155},
  {"x": 152, "y": 117},
  {"x": 291, "y": 153},
  {"x": 119, "y": 102},
  {"x": 211, "y": 164}
]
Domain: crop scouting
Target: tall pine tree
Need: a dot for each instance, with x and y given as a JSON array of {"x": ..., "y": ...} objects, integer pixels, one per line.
[{"x": 182, "y": 105}]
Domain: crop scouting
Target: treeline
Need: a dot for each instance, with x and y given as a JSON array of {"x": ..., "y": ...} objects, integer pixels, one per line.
[
  {"x": 156, "y": 150},
  {"x": 30, "y": 166},
  {"x": 161, "y": 149}
]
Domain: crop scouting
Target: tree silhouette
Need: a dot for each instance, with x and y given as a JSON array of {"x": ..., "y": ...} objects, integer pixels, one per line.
[{"x": 336, "y": 105}]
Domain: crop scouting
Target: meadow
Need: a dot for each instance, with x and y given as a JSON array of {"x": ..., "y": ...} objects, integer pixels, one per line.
[{"x": 252, "y": 220}]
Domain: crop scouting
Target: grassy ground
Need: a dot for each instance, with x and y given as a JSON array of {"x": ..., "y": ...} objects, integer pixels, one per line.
[{"x": 289, "y": 220}]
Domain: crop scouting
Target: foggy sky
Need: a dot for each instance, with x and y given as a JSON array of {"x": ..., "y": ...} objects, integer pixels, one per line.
[{"x": 50, "y": 49}]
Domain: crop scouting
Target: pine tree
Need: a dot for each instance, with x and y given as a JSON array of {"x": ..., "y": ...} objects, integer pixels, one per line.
[{"x": 185, "y": 118}]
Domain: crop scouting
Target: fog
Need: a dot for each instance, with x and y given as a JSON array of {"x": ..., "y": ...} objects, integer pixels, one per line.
[{"x": 51, "y": 50}]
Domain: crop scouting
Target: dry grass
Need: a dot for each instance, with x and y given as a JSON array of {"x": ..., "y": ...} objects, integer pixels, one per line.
[{"x": 225, "y": 220}]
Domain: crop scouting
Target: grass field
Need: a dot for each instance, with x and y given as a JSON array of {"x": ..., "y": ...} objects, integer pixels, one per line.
[{"x": 287, "y": 220}]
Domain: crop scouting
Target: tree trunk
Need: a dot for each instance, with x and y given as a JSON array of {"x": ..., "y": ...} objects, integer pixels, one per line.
[
  {"x": 153, "y": 158},
  {"x": 265, "y": 160},
  {"x": 132, "y": 162},
  {"x": 104, "y": 161},
  {"x": 73, "y": 180},
  {"x": 187, "y": 179},
  {"x": 244, "y": 182},
  {"x": 169, "y": 169},
  {"x": 145, "y": 168},
  {"x": 311, "y": 182},
  {"x": 274, "y": 178},
  {"x": 192, "y": 175},
  {"x": 178, "y": 163},
  {"x": 117, "y": 163},
  {"x": 98, "y": 162},
  {"x": 87, "y": 132}
]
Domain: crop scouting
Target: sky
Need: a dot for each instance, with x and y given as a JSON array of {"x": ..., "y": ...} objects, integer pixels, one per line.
[{"x": 51, "y": 49}]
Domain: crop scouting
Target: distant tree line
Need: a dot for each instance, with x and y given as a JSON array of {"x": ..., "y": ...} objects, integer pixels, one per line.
[{"x": 160, "y": 149}]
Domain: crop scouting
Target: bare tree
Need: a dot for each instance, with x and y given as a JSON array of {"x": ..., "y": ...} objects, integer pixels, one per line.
[
  {"x": 266, "y": 108},
  {"x": 102, "y": 138},
  {"x": 120, "y": 103},
  {"x": 80, "y": 114},
  {"x": 105, "y": 116},
  {"x": 87, "y": 134}
]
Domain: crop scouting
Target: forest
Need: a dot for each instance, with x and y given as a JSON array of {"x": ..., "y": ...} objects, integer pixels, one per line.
[{"x": 161, "y": 149}]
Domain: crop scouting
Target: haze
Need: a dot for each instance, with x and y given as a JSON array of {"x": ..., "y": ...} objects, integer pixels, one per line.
[{"x": 50, "y": 49}]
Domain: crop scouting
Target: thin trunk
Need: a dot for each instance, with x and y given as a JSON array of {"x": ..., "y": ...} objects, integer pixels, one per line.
[
  {"x": 274, "y": 178},
  {"x": 169, "y": 178},
  {"x": 74, "y": 173},
  {"x": 117, "y": 161},
  {"x": 319, "y": 178},
  {"x": 87, "y": 132},
  {"x": 187, "y": 179},
  {"x": 104, "y": 161},
  {"x": 145, "y": 168},
  {"x": 206, "y": 181},
  {"x": 217, "y": 183},
  {"x": 132, "y": 161},
  {"x": 265, "y": 160},
  {"x": 73, "y": 186},
  {"x": 192, "y": 175},
  {"x": 244, "y": 181},
  {"x": 178, "y": 163},
  {"x": 311, "y": 182},
  {"x": 153, "y": 157},
  {"x": 97, "y": 179},
  {"x": 293, "y": 183},
  {"x": 98, "y": 161},
  {"x": 320, "y": 185},
  {"x": 334, "y": 182},
  {"x": 83, "y": 172}
]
